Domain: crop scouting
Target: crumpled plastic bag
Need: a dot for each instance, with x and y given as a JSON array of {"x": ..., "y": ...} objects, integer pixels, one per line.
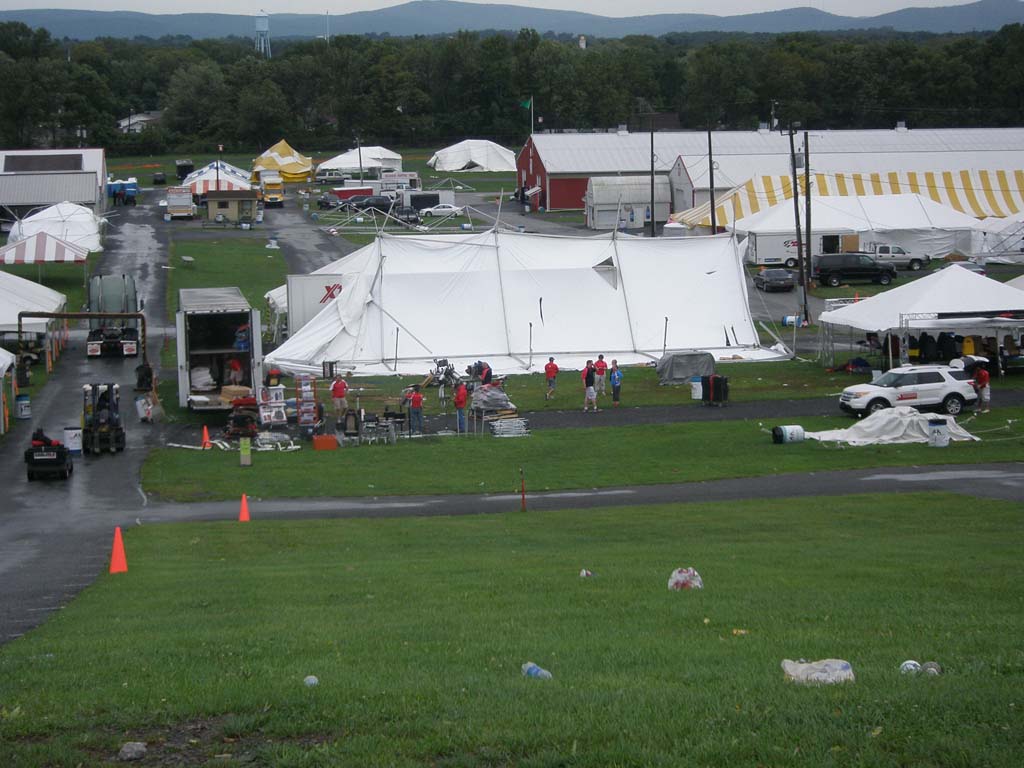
[
  {"x": 685, "y": 578},
  {"x": 824, "y": 672}
]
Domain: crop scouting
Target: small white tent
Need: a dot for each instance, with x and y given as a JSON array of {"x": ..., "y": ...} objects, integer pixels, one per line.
[
  {"x": 217, "y": 175},
  {"x": 20, "y": 295},
  {"x": 367, "y": 157},
  {"x": 952, "y": 297},
  {"x": 513, "y": 299},
  {"x": 474, "y": 155},
  {"x": 71, "y": 223},
  {"x": 915, "y": 222}
]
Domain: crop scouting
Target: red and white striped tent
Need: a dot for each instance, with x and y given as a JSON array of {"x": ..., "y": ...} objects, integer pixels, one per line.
[
  {"x": 40, "y": 248},
  {"x": 218, "y": 175}
]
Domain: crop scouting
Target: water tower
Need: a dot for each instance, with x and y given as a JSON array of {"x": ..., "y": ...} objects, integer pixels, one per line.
[{"x": 263, "y": 34}]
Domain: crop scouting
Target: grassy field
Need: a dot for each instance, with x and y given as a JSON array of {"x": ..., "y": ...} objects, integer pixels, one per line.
[
  {"x": 553, "y": 460},
  {"x": 417, "y": 628}
]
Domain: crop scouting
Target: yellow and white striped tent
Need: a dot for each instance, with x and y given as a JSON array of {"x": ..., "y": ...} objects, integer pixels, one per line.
[{"x": 977, "y": 193}]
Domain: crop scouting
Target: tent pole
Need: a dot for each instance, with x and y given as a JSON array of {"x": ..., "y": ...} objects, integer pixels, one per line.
[
  {"x": 621, "y": 282},
  {"x": 664, "y": 341},
  {"x": 501, "y": 288}
]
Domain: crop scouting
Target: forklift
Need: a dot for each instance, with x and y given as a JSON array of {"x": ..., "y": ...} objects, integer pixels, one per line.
[{"x": 102, "y": 428}]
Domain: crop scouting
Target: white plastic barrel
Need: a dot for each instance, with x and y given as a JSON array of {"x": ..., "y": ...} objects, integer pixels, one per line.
[
  {"x": 790, "y": 433},
  {"x": 23, "y": 406},
  {"x": 695, "y": 388},
  {"x": 791, "y": 320},
  {"x": 73, "y": 440},
  {"x": 938, "y": 433}
]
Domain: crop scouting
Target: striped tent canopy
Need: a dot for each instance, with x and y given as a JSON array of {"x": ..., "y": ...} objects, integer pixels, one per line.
[
  {"x": 42, "y": 247},
  {"x": 217, "y": 175},
  {"x": 977, "y": 193}
]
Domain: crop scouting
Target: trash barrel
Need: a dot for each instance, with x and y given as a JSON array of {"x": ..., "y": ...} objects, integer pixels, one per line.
[
  {"x": 23, "y": 407},
  {"x": 73, "y": 440},
  {"x": 790, "y": 433},
  {"x": 695, "y": 388},
  {"x": 938, "y": 433}
]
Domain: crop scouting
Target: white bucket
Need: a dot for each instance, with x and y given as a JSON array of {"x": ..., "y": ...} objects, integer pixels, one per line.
[
  {"x": 791, "y": 433},
  {"x": 938, "y": 433},
  {"x": 73, "y": 440},
  {"x": 144, "y": 408},
  {"x": 167, "y": 217},
  {"x": 23, "y": 404},
  {"x": 696, "y": 391}
]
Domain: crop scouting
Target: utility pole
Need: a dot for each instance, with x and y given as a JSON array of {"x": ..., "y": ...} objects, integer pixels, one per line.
[
  {"x": 796, "y": 215},
  {"x": 807, "y": 219},
  {"x": 711, "y": 182},
  {"x": 653, "y": 226}
]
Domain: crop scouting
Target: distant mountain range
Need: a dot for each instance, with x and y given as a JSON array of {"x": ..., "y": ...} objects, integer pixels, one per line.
[{"x": 438, "y": 17}]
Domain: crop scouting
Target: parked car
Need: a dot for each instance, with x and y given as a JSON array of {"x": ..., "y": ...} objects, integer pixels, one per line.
[
  {"x": 327, "y": 202},
  {"x": 353, "y": 203},
  {"x": 837, "y": 268},
  {"x": 774, "y": 280},
  {"x": 406, "y": 213},
  {"x": 442, "y": 209},
  {"x": 380, "y": 203},
  {"x": 898, "y": 257},
  {"x": 945, "y": 387},
  {"x": 968, "y": 265}
]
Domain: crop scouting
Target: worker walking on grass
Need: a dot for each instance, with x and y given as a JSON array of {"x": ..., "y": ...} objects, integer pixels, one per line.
[
  {"x": 339, "y": 394},
  {"x": 589, "y": 395},
  {"x": 600, "y": 370},
  {"x": 550, "y": 373},
  {"x": 983, "y": 387},
  {"x": 461, "y": 397},
  {"x": 415, "y": 400},
  {"x": 615, "y": 378}
]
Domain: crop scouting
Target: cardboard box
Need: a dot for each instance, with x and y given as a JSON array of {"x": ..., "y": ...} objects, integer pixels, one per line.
[{"x": 233, "y": 392}]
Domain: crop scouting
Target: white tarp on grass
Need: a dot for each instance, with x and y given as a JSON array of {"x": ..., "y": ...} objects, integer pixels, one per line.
[
  {"x": 71, "y": 223},
  {"x": 951, "y": 290},
  {"x": 901, "y": 424},
  {"x": 514, "y": 299},
  {"x": 473, "y": 155}
]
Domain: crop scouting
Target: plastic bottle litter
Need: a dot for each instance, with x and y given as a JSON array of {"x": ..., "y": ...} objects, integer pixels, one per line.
[
  {"x": 585, "y": 574},
  {"x": 685, "y": 578},
  {"x": 825, "y": 671},
  {"x": 532, "y": 670},
  {"x": 311, "y": 680},
  {"x": 931, "y": 668},
  {"x": 909, "y": 667}
]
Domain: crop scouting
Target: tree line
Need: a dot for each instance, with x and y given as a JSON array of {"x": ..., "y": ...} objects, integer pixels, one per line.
[{"x": 427, "y": 91}]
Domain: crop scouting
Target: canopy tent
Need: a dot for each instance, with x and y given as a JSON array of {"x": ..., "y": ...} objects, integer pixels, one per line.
[
  {"x": 215, "y": 176},
  {"x": 282, "y": 159},
  {"x": 953, "y": 296},
  {"x": 1000, "y": 240},
  {"x": 978, "y": 193},
  {"x": 913, "y": 221},
  {"x": 7, "y": 361},
  {"x": 1017, "y": 282},
  {"x": 513, "y": 299},
  {"x": 474, "y": 155},
  {"x": 42, "y": 247},
  {"x": 74, "y": 224},
  {"x": 20, "y": 295},
  {"x": 372, "y": 157}
]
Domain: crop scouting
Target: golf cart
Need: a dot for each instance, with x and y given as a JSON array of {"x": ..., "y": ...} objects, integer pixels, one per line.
[
  {"x": 102, "y": 428},
  {"x": 47, "y": 458}
]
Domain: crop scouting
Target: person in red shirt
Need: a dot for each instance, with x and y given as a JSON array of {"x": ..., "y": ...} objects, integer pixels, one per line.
[
  {"x": 235, "y": 372},
  {"x": 550, "y": 373},
  {"x": 339, "y": 393},
  {"x": 461, "y": 397},
  {"x": 600, "y": 369},
  {"x": 981, "y": 386},
  {"x": 415, "y": 400}
]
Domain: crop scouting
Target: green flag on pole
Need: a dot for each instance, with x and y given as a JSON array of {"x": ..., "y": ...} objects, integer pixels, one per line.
[{"x": 526, "y": 104}]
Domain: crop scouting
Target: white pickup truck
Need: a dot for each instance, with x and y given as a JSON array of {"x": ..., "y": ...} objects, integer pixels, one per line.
[{"x": 897, "y": 256}]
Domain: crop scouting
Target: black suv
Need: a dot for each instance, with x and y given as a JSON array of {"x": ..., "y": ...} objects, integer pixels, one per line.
[
  {"x": 838, "y": 268},
  {"x": 407, "y": 213},
  {"x": 381, "y": 203}
]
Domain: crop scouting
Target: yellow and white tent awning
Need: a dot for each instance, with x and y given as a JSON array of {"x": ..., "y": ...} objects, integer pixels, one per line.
[
  {"x": 285, "y": 161},
  {"x": 977, "y": 193}
]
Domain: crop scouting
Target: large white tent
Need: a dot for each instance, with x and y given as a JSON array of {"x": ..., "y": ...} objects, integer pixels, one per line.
[
  {"x": 217, "y": 175},
  {"x": 513, "y": 299},
  {"x": 473, "y": 155},
  {"x": 71, "y": 223},
  {"x": 365, "y": 157},
  {"x": 1017, "y": 282},
  {"x": 952, "y": 296},
  {"x": 20, "y": 295},
  {"x": 916, "y": 222}
]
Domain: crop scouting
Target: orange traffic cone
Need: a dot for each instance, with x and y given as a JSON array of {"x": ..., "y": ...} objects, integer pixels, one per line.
[
  {"x": 243, "y": 512},
  {"x": 207, "y": 445},
  {"x": 118, "y": 562}
]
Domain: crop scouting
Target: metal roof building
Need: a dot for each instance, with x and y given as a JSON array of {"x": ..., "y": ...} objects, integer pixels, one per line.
[
  {"x": 560, "y": 164},
  {"x": 31, "y": 178}
]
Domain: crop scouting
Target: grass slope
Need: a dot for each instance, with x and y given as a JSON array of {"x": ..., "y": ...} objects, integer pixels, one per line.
[
  {"x": 417, "y": 628},
  {"x": 552, "y": 460}
]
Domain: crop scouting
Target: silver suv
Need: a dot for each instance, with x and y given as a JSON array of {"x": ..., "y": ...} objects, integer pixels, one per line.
[{"x": 945, "y": 387}]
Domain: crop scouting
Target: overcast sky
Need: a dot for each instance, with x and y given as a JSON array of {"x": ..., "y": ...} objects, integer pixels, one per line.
[{"x": 602, "y": 7}]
